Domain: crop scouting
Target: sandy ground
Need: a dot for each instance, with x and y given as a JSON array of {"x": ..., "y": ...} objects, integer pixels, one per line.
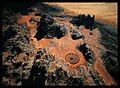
[{"x": 105, "y": 11}]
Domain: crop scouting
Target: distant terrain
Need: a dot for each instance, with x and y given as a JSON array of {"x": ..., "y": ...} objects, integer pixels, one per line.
[{"x": 104, "y": 11}]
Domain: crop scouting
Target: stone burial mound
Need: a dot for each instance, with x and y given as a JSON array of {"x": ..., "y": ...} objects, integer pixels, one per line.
[
  {"x": 72, "y": 58},
  {"x": 87, "y": 21},
  {"x": 48, "y": 28}
]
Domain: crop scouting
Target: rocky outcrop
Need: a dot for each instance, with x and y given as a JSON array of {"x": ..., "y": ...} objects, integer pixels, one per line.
[
  {"x": 48, "y": 29},
  {"x": 18, "y": 56},
  {"x": 87, "y": 21},
  {"x": 88, "y": 54},
  {"x": 76, "y": 35}
]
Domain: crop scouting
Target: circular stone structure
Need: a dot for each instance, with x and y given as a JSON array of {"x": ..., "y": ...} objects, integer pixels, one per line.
[{"x": 72, "y": 58}]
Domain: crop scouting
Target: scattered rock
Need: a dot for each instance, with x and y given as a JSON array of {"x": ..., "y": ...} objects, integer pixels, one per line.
[{"x": 76, "y": 35}]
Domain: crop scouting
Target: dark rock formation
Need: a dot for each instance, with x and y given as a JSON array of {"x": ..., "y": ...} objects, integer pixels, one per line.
[
  {"x": 111, "y": 64},
  {"x": 60, "y": 32},
  {"x": 75, "y": 81},
  {"x": 97, "y": 79},
  {"x": 59, "y": 77},
  {"x": 9, "y": 33},
  {"x": 44, "y": 26},
  {"x": 37, "y": 76},
  {"x": 48, "y": 29},
  {"x": 87, "y": 21},
  {"x": 17, "y": 51},
  {"x": 76, "y": 35},
  {"x": 110, "y": 41},
  {"x": 88, "y": 54}
]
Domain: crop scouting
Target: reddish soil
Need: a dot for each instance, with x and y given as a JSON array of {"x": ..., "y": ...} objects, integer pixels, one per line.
[{"x": 66, "y": 45}]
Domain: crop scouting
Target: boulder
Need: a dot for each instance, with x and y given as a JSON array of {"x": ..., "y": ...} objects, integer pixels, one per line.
[{"x": 76, "y": 35}]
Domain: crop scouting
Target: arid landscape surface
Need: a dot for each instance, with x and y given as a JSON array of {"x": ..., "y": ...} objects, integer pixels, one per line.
[
  {"x": 104, "y": 11},
  {"x": 59, "y": 48}
]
